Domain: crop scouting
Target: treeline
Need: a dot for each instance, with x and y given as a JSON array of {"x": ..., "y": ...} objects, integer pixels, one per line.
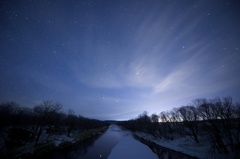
[
  {"x": 45, "y": 116},
  {"x": 217, "y": 118}
]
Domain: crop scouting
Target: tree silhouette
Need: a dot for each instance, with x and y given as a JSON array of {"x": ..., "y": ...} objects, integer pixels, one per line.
[
  {"x": 190, "y": 117},
  {"x": 44, "y": 113}
]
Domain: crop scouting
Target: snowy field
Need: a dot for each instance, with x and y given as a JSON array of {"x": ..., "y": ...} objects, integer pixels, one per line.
[{"x": 129, "y": 148}]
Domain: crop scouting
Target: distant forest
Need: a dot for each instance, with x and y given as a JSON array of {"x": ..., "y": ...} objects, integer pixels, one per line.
[{"x": 217, "y": 118}]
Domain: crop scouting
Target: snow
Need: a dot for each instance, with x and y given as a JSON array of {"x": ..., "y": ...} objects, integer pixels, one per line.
[
  {"x": 57, "y": 139},
  {"x": 61, "y": 138},
  {"x": 129, "y": 148},
  {"x": 186, "y": 145}
]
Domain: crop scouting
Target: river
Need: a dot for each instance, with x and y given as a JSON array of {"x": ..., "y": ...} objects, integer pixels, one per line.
[{"x": 97, "y": 148}]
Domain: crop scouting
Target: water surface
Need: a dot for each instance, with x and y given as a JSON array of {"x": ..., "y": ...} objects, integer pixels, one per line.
[{"x": 98, "y": 147}]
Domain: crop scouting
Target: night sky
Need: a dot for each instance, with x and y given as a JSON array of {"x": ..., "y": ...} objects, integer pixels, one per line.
[{"x": 114, "y": 59}]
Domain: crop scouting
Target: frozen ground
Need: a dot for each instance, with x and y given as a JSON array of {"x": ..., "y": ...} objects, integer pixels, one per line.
[
  {"x": 187, "y": 146},
  {"x": 129, "y": 148}
]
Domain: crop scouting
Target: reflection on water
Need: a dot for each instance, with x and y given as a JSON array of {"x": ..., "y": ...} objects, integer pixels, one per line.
[{"x": 99, "y": 147}]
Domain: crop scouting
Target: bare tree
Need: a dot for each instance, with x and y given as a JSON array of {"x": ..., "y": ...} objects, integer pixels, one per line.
[
  {"x": 154, "y": 118},
  {"x": 224, "y": 112},
  {"x": 44, "y": 113},
  {"x": 166, "y": 125},
  {"x": 144, "y": 121},
  {"x": 211, "y": 124},
  {"x": 154, "y": 125},
  {"x": 7, "y": 113},
  {"x": 189, "y": 115},
  {"x": 175, "y": 116},
  {"x": 71, "y": 121},
  {"x": 237, "y": 122}
]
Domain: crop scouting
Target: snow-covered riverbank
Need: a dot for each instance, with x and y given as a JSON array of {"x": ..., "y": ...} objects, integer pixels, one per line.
[
  {"x": 47, "y": 144},
  {"x": 186, "y": 145}
]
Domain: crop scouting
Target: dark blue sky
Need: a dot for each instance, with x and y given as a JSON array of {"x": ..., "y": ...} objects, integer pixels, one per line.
[{"x": 112, "y": 59}]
